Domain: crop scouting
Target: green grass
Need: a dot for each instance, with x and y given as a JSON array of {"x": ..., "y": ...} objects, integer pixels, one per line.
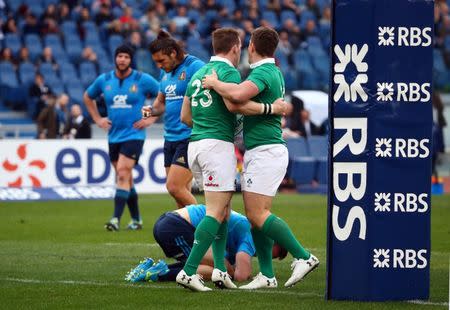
[{"x": 57, "y": 255}]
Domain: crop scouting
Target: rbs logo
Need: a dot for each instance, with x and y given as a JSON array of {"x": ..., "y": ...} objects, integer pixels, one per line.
[
  {"x": 400, "y": 258},
  {"x": 404, "y": 36},
  {"x": 403, "y": 148}
]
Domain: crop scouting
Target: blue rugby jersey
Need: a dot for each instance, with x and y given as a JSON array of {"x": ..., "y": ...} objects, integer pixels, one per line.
[
  {"x": 173, "y": 86},
  {"x": 124, "y": 100},
  {"x": 239, "y": 235}
]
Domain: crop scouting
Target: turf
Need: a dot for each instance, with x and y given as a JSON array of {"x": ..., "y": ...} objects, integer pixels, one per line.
[{"x": 57, "y": 255}]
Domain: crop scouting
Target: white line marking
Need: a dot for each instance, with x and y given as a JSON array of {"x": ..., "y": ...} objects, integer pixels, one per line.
[{"x": 153, "y": 286}]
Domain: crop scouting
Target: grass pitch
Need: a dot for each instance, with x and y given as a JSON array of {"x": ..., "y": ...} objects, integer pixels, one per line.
[{"x": 56, "y": 255}]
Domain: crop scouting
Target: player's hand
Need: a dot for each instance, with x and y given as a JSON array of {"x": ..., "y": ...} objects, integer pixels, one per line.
[
  {"x": 209, "y": 81},
  {"x": 280, "y": 107},
  {"x": 146, "y": 111},
  {"x": 144, "y": 123},
  {"x": 104, "y": 123}
]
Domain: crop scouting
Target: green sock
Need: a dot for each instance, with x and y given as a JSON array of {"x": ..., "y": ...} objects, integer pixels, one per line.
[
  {"x": 203, "y": 237},
  {"x": 219, "y": 245},
  {"x": 279, "y": 231},
  {"x": 263, "y": 245}
]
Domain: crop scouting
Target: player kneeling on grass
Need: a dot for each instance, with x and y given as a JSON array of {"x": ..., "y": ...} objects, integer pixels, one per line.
[{"x": 174, "y": 232}]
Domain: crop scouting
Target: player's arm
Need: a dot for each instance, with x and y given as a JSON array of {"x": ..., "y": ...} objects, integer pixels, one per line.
[
  {"x": 186, "y": 112},
  {"x": 278, "y": 107},
  {"x": 242, "y": 267},
  {"x": 157, "y": 109},
  {"x": 91, "y": 105},
  {"x": 238, "y": 93}
]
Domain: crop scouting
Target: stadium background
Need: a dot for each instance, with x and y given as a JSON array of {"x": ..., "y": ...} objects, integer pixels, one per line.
[{"x": 303, "y": 56}]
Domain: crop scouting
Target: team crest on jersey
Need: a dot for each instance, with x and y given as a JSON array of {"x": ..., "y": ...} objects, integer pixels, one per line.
[
  {"x": 182, "y": 76},
  {"x": 133, "y": 88}
]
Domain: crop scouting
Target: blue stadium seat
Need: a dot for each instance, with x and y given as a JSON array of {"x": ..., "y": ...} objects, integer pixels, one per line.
[
  {"x": 199, "y": 52},
  {"x": 291, "y": 79},
  {"x": 297, "y": 147},
  {"x": 271, "y": 17},
  {"x": 34, "y": 45},
  {"x": 288, "y": 14},
  {"x": 67, "y": 72},
  {"x": 105, "y": 66},
  {"x": 12, "y": 41},
  {"x": 303, "y": 170},
  {"x": 322, "y": 171},
  {"x": 305, "y": 16},
  {"x": 36, "y": 8},
  {"x": 439, "y": 69},
  {"x": 318, "y": 146},
  {"x": 302, "y": 61},
  {"x": 194, "y": 14},
  {"x": 46, "y": 68},
  {"x": 9, "y": 84},
  {"x": 88, "y": 73},
  {"x": 73, "y": 48},
  {"x": 68, "y": 28},
  {"x": 26, "y": 73},
  {"x": 52, "y": 40},
  {"x": 57, "y": 87},
  {"x": 322, "y": 65},
  {"x": 75, "y": 93},
  {"x": 8, "y": 75},
  {"x": 144, "y": 61},
  {"x": 113, "y": 42}
]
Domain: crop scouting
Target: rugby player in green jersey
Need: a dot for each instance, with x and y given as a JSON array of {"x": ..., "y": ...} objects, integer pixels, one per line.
[
  {"x": 211, "y": 157},
  {"x": 265, "y": 159}
]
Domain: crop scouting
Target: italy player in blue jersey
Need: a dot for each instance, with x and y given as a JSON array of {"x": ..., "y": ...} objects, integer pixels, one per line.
[
  {"x": 177, "y": 69},
  {"x": 174, "y": 232},
  {"x": 125, "y": 91}
]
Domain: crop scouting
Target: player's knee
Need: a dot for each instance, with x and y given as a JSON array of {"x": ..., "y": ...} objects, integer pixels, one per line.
[
  {"x": 123, "y": 174},
  {"x": 173, "y": 188}
]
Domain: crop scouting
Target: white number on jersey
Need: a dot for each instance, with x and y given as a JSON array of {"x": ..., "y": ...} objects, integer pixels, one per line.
[{"x": 198, "y": 85}]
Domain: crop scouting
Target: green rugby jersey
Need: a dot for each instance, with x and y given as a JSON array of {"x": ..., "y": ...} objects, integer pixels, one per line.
[
  {"x": 264, "y": 129},
  {"x": 211, "y": 118}
]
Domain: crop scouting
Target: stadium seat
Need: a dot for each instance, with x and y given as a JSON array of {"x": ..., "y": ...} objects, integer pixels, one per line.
[
  {"x": 75, "y": 93},
  {"x": 69, "y": 27},
  {"x": 73, "y": 48},
  {"x": 57, "y": 86},
  {"x": 302, "y": 61},
  {"x": 305, "y": 16},
  {"x": 199, "y": 52},
  {"x": 321, "y": 64},
  {"x": 318, "y": 146},
  {"x": 302, "y": 170},
  {"x": 297, "y": 147},
  {"x": 322, "y": 171},
  {"x": 34, "y": 45},
  {"x": 12, "y": 41},
  {"x": 113, "y": 42},
  {"x": 27, "y": 72},
  {"x": 288, "y": 14},
  {"x": 271, "y": 17},
  {"x": 88, "y": 73},
  {"x": 67, "y": 72}
]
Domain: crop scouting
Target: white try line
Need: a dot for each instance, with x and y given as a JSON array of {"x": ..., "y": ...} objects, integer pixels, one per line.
[{"x": 153, "y": 286}]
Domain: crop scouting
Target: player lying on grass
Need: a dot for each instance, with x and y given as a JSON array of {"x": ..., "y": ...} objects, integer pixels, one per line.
[{"x": 174, "y": 232}]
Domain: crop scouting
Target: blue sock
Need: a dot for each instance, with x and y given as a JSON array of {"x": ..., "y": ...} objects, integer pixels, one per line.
[
  {"x": 133, "y": 204},
  {"x": 174, "y": 269},
  {"x": 120, "y": 199}
]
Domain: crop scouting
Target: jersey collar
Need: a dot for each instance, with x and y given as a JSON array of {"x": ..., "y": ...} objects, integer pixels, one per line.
[
  {"x": 218, "y": 58},
  {"x": 262, "y": 62}
]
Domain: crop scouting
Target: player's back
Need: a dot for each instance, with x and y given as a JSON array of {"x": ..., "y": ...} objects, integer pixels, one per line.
[{"x": 210, "y": 116}]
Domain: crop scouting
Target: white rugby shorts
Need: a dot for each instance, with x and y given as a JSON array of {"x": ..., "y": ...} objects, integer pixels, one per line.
[
  {"x": 264, "y": 168},
  {"x": 213, "y": 164}
]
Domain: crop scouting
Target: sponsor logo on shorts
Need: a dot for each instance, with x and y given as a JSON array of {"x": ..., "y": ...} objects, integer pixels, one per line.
[
  {"x": 181, "y": 160},
  {"x": 211, "y": 181}
]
